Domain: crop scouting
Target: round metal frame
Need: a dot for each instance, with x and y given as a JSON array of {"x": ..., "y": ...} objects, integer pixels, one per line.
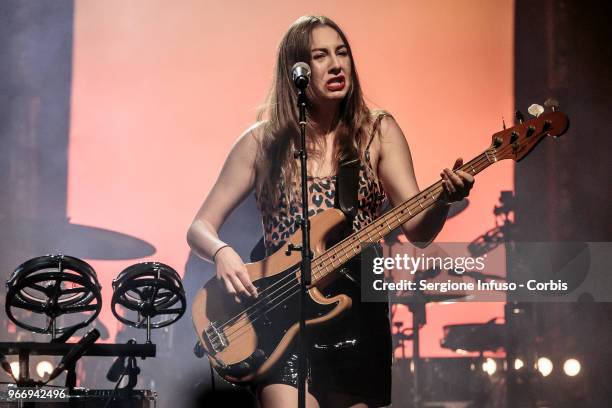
[
  {"x": 153, "y": 290},
  {"x": 53, "y": 285}
]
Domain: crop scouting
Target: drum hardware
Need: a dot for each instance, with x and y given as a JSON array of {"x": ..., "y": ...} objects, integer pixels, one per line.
[
  {"x": 55, "y": 286},
  {"x": 68, "y": 334},
  {"x": 25, "y": 349},
  {"x": 60, "y": 286},
  {"x": 154, "y": 291},
  {"x": 119, "y": 369}
]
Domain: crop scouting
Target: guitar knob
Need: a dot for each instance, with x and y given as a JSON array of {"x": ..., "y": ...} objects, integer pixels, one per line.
[
  {"x": 552, "y": 104},
  {"x": 198, "y": 350},
  {"x": 519, "y": 116},
  {"x": 535, "y": 110}
]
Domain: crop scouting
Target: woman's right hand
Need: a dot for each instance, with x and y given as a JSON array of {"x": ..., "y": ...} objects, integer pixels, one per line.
[{"x": 232, "y": 271}]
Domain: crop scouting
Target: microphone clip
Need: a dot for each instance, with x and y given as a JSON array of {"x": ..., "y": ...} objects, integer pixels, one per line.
[{"x": 120, "y": 368}]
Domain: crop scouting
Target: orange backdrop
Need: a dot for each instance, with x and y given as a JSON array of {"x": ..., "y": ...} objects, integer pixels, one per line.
[{"x": 160, "y": 93}]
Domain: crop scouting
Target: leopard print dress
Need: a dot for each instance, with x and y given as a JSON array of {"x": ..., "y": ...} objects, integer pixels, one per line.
[
  {"x": 360, "y": 340},
  {"x": 283, "y": 221}
]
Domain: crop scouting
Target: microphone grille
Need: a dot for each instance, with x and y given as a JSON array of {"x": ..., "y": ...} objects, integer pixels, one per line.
[{"x": 300, "y": 69}]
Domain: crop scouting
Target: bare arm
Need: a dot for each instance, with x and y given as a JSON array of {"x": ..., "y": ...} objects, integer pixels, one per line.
[
  {"x": 396, "y": 172},
  {"x": 234, "y": 183}
]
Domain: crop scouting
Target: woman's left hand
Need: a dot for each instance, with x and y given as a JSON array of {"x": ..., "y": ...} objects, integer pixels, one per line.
[{"x": 457, "y": 183}]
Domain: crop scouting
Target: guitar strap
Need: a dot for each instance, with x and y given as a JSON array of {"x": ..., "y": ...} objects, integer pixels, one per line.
[
  {"x": 347, "y": 185},
  {"x": 347, "y": 189},
  {"x": 348, "y": 177}
]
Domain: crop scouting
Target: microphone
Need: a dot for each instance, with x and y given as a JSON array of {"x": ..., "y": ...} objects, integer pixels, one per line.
[
  {"x": 6, "y": 366},
  {"x": 300, "y": 74},
  {"x": 75, "y": 353},
  {"x": 68, "y": 334}
]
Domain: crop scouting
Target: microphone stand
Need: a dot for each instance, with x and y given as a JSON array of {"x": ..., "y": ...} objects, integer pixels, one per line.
[{"x": 305, "y": 263}]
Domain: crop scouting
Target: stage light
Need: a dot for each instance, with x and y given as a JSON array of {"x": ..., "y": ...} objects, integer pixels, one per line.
[
  {"x": 15, "y": 368},
  {"x": 545, "y": 366},
  {"x": 43, "y": 367},
  {"x": 571, "y": 367},
  {"x": 518, "y": 364},
  {"x": 489, "y": 366}
]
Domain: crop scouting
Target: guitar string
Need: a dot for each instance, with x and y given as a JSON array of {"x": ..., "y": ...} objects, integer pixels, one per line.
[{"x": 340, "y": 247}]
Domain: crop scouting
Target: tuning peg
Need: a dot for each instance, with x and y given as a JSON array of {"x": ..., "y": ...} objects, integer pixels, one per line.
[
  {"x": 519, "y": 116},
  {"x": 535, "y": 110},
  {"x": 503, "y": 123},
  {"x": 552, "y": 104}
]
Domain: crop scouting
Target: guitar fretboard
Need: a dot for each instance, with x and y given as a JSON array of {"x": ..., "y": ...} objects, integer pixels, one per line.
[{"x": 353, "y": 245}]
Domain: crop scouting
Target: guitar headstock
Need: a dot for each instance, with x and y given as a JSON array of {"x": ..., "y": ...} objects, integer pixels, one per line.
[{"x": 516, "y": 142}]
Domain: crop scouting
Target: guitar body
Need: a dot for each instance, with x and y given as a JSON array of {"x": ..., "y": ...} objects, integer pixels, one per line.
[{"x": 244, "y": 340}]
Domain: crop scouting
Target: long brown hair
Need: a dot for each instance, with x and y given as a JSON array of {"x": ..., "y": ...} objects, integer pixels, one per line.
[{"x": 280, "y": 133}]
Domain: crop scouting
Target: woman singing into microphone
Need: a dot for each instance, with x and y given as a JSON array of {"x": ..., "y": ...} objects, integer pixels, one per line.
[{"x": 350, "y": 361}]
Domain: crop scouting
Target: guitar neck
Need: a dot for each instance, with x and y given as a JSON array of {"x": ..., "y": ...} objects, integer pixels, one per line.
[{"x": 353, "y": 245}]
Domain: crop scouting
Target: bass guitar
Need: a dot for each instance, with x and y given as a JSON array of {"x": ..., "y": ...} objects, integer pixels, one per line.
[{"x": 244, "y": 340}]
